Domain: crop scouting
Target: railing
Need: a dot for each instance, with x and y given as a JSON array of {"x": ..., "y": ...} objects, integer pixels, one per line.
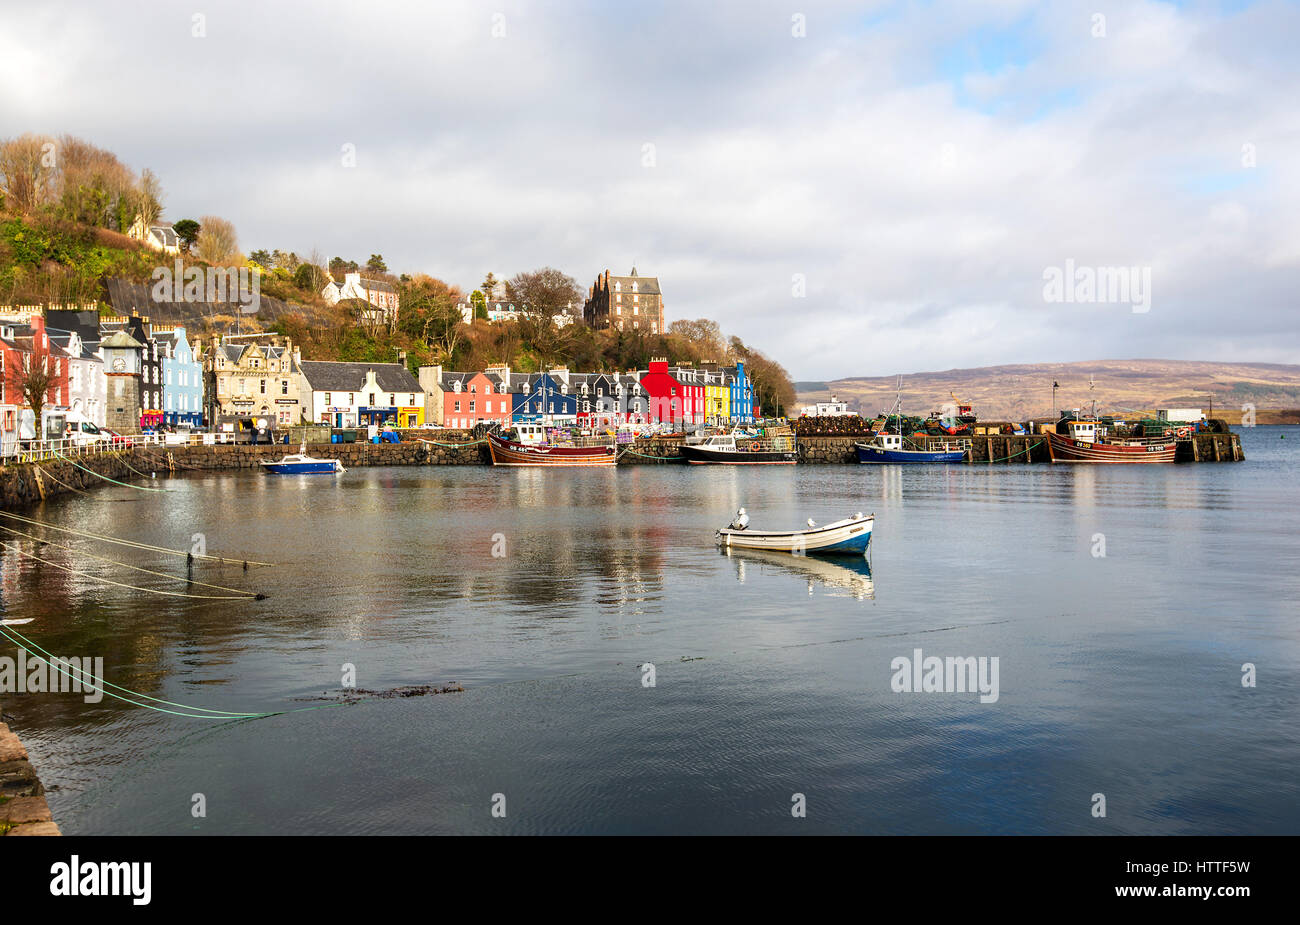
[{"x": 26, "y": 451}]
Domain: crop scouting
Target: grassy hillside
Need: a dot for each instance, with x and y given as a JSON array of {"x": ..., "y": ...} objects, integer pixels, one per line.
[{"x": 1024, "y": 391}]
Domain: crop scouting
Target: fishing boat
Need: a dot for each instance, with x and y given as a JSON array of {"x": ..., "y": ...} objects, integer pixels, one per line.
[
  {"x": 888, "y": 448},
  {"x": 848, "y": 537},
  {"x": 1082, "y": 443},
  {"x": 533, "y": 449},
  {"x": 301, "y": 464},
  {"x": 777, "y": 449}
]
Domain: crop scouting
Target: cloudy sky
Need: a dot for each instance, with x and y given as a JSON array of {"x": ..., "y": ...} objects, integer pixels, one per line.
[{"x": 854, "y": 188}]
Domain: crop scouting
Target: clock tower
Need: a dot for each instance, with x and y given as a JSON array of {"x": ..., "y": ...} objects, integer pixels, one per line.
[{"x": 122, "y": 359}]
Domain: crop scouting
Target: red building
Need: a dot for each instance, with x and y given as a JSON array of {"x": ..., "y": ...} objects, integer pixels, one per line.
[
  {"x": 469, "y": 399},
  {"x": 25, "y": 346},
  {"x": 671, "y": 400}
]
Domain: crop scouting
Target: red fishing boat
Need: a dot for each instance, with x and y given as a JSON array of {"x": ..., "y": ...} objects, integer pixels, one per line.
[
  {"x": 530, "y": 452},
  {"x": 1083, "y": 445}
]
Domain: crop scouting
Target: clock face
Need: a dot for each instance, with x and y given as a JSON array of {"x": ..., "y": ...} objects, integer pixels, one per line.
[{"x": 118, "y": 365}]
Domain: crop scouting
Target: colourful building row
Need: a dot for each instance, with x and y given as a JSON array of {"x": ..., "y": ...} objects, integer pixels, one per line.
[{"x": 657, "y": 395}]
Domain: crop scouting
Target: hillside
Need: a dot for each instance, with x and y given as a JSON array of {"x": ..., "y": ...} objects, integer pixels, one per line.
[{"x": 1025, "y": 391}]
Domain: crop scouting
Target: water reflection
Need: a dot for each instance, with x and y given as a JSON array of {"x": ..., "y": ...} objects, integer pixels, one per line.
[{"x": 851, "y": 574}]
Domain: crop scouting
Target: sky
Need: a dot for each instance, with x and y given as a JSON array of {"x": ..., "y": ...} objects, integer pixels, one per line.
[{"x": 852, "y": 188}]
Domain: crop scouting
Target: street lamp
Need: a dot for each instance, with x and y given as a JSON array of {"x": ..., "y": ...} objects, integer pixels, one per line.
[{"x": 1055, "y": 385}]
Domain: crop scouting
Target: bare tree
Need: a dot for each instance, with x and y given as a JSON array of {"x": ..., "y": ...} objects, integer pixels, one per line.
[
  {"x": 541, "y": 295},
  {"x": 147, "y": 198},
  {"x": 28, "y": 165},
  {"x": 32, "y": 377},
  {"x": 217, "y": 243}
]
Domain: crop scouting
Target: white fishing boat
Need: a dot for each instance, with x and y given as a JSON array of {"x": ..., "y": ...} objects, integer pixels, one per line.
[{"x": 848, "y": 537}]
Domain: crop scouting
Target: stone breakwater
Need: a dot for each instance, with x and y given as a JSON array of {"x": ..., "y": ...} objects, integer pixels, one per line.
[
  {"x": 28, "y": 483},
  {"x": 23, "y": 810}
]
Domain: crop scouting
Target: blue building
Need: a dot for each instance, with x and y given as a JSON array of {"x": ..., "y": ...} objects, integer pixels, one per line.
[
  {"x": 182, "y": 377},
  {"x": 742, "y": 395},
  {"x": 544, "y": 398}
]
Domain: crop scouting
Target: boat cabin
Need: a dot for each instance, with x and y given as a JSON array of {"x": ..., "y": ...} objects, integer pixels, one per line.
[
  {"x": 722, "y": 443},
  {"x": 889, "y": 441},
  {"x": 1083, "y": 431},
  {"x": 531, "y": 434}
]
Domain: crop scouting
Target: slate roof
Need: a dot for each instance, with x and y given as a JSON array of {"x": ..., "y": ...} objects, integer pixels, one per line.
[
  {"x": 334, "y": 376},
  {"x": 120, "y": 339}
]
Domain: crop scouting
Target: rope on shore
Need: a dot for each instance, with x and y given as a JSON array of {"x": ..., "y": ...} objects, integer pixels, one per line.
[
  {"x": 107, "y": 479},
  {"x": 436, "y": 443},
  {"x": 1014, "y": 455},
  {"x": 242, "y": 596},
  {"x": 81, "y": 491},
  {"x": 255, "y": 595},
  {"x": 132, "y": 543},
  {"x": 188, "y": 711},
  {"x": 628, "y": 449}
]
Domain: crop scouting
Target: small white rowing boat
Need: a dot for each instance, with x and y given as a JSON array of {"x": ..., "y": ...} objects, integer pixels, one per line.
[{"x": 848, "y": 537}]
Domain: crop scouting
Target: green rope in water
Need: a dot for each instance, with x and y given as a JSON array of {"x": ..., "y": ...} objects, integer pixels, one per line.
[{"x": 190, "y": 712}]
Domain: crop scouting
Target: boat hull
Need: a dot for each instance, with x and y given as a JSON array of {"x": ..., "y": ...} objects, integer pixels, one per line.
[
  {"x": 509, "y": 453},
  {"x": 1064, "y": 449},
  {"x": 312, "y": 468},
  {"x": 874, "y": 454},
  {"x": 844, "y": 538},
  {"x": 700, "y": 456}
]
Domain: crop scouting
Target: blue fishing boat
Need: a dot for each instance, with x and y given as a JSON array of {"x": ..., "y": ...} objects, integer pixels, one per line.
[
  {"x": 888, "y": 448},
  {"x": 302, "y": 464}
]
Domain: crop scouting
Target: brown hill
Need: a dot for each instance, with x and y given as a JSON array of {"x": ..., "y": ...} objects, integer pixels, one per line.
[{"x": 1017, "y": 393}]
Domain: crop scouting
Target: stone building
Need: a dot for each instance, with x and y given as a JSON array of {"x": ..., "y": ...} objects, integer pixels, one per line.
[
  {"x": 252, "y": 380},
  {"x": 625, "y": 303},
  {"x": 123, "y": 361}
]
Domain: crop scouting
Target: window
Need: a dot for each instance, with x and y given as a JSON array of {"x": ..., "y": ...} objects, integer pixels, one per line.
[
  {"x": 457, "y": 407},
  {"x": 392, "y": 399},
  {"x": 473, "y": 387},
  {"x": 263, "y": 384},
  {"x": 350, "y": 394},
  {"x": 372, "y": 399},
  {"x": 471, "y": 406},
  {"x": 327, "y": 398}
]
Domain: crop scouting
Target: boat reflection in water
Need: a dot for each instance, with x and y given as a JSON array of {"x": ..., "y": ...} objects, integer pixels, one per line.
[{"x": 852, "y": 575}]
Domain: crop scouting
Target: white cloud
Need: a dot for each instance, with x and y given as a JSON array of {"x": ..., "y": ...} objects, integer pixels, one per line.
[{"x": 921, "y": 205}]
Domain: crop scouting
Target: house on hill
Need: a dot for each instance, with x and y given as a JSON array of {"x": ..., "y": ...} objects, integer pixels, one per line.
[
  {"x": 379, "y": 293},
  {"x": 159, "y": 237},
  {"x": 625, "y": 303}
]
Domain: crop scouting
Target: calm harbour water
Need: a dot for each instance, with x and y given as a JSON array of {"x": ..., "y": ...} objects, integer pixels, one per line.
[{"x": 1118, "y": 675}]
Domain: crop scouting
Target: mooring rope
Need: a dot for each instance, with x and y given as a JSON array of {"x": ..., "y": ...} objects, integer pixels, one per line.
[
  {"x": 242, "y": 596},
  {"x": 136, "y": 568},
  {"x": 107, "y": 479},
  {"x": 188, "y": 711},
  {"x": 132, "y": 543}
]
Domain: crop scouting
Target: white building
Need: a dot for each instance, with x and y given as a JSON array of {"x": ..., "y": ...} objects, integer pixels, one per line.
[{"x": 827, "y": 409}]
